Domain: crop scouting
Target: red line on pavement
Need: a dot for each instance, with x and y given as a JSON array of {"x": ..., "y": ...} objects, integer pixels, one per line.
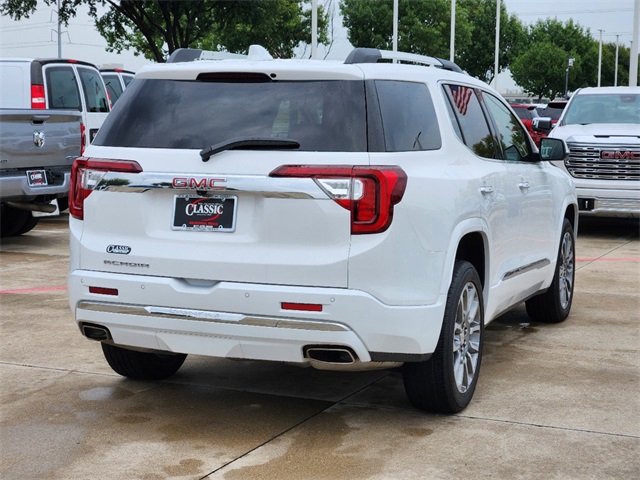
[
  {"x": 608, "y": 259},
  {"x": 32, "y": 290}
]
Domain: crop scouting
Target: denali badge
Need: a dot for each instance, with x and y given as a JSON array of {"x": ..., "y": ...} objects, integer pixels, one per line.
[
  {"x": 618, "y": 155},
  {"x": 126, "y": 264},
  {"x": 119, "y": 249}
]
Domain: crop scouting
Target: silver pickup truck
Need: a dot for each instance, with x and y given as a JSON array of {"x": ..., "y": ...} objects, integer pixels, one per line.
[{"x": 37, "y": 149}]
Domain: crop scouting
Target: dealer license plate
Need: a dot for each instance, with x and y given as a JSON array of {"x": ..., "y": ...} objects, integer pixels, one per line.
[
  {"x": 205, "y": 214},
  {"x": 37, "y": 178}
]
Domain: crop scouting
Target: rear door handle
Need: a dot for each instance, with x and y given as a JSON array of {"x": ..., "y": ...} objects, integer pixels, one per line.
[
  {"x": 486, "y": 189},
  {"x": 523, "y": 185}
]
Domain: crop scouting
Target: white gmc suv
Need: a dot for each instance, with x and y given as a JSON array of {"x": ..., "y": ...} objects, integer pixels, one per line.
[{"x": 347, "y": 216}]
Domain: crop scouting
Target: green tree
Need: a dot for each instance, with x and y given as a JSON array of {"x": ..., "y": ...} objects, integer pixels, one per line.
[
  {"x": 155, "y": 29},
  {"x": 477, "y": 57},
  {"x": 570, "y": 38},
  {"x": 277, "y": 25},
  {"x": 423, "y": 25},
  {"x": 540, "y": 69}
]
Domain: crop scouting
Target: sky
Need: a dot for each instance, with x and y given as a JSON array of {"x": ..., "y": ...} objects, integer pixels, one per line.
[{"x": 37, "y": 37}]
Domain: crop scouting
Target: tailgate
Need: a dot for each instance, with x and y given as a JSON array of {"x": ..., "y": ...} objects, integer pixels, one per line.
[
  {"x": 224, "y": 220},
  {"x": 38, "y": 138}
]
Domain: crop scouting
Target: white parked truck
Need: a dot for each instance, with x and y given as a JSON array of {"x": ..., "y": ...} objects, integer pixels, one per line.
[{"x": 602, "y": 129}]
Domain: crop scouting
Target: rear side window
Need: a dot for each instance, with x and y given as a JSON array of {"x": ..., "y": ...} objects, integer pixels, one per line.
[
  {"x": 114, "y": 88},
  {"x": 157, "y": 113},
  {"x": 408, "y": 117},
  {"x": 471, "y": 120},
  {"x": 94, "y": 93},
  {"x": 62, "y": 88}
]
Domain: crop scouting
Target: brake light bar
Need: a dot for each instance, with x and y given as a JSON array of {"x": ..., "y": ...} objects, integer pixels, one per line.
[
  {"x": 38, "y": 100},
  {"x": 368, "y": 192},
  {"x": 304, "y": 307},
  {"x": 104, "y": 291},
  {"x": 86, "y": 174}
]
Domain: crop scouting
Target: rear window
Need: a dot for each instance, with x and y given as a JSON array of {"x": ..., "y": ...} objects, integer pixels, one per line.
[
  {"x": 159, "y": 113},
  {"x": 523, "y": 113},
  {"x": 94, "y": 93},
  {"x": 554, "y": 113},
  {"x": 114, "y": 88},
  {"x": 62, "y": 88}
]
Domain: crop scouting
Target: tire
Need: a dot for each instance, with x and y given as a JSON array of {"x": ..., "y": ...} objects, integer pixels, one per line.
[
  {"x": 28, "y": 224},
  {"x": 554, "y": 305},
  {"x": 15, "y": 221},
  {"x": 447, "y": 381},
  {"x": 142, "y": 365},
  {"x": 63, "y": 203}
]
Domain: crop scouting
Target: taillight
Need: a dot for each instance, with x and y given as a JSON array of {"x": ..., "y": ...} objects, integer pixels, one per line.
[
  {"x": 37, "y": 97},
  {"x": 86, "y": 175},
  {"x": 83, "y": 138},
  {"x": 368, "y": 192}
]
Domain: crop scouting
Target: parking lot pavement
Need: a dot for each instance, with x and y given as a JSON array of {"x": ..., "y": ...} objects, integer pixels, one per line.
[{"x": 553, "y": 401}]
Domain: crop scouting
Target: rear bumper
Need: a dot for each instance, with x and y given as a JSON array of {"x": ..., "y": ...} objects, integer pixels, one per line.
[
  {"x": 14, "y": 187},
  {"x": 246, "y": 321}
]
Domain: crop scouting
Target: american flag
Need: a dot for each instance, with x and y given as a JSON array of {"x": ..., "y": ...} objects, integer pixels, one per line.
[{"x": 461, "y": 97}]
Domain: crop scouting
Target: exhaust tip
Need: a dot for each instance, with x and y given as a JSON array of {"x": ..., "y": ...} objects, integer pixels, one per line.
[
  {"x": 330, "y": 354},
  {"x": 95, "y": 332}
]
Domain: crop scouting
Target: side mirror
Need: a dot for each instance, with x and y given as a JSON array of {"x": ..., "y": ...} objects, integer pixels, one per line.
[
  {"x": 542, "y": 124},
  {"x": 553, "y": 149}
]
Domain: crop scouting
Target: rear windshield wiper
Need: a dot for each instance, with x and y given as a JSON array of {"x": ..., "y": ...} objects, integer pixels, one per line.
[{"x": 258, "y": 143}]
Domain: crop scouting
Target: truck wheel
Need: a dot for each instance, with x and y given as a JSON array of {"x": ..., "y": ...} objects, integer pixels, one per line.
[
  {"x": 63, "y": 203},
  {"x": 142, "y": 365},
  {"x": 446, "y": 382},
  {"x": 14, "y": 221},
  {"x": 554, "y": 305},
  {"x": 28, "y": 223}
]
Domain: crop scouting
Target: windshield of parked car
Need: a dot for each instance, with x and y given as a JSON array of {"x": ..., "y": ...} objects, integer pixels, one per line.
[
  {"x": 194, "y": 114},
  {"x": 603, "y": 108}
]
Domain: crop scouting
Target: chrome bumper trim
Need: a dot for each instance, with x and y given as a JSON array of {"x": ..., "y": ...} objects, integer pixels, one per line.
[
  {"x": 212, "y": 184},
  {"x": 210, "y": 316}
]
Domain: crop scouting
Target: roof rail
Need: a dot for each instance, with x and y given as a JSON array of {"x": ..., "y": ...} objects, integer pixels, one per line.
[
  {"x": 372, "y": 55},
  {"x": 256, "y": 52}
]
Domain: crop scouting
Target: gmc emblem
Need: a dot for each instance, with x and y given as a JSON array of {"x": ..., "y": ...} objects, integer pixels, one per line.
[
  {"x": 617, "y": 155},
  {"x": 198, "y": 183}
]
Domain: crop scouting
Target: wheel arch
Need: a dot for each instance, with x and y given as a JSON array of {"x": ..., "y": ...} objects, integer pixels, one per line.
[
  {"x": 470, "y": 242},
  {"x": 571, "y": 214}
]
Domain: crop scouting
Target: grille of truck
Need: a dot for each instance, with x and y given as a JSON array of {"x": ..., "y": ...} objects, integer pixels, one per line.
[{"x": 604, "y": 162}]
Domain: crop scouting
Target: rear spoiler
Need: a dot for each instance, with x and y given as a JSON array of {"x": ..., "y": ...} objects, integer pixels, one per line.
[{"x": 256, "y": 52}]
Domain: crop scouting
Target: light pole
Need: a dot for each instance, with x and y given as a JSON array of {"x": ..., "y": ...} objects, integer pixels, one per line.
[
  {"x": 452, "y": 42},
  {"x": 600, "y": 57},
  {"x": 615, "y": 75},
  {"x": 566, "y": 76},
  {"x": 314, "y": 29},
  {"x": 497, "y": 59}
]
